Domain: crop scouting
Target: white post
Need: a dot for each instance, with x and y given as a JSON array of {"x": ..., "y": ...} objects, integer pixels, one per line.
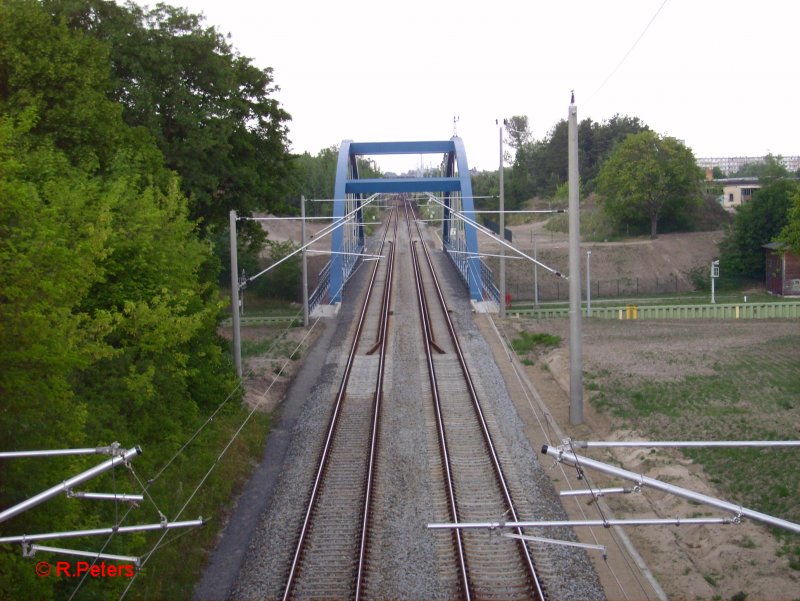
[
  {"x": 588, "y": 283},
  {"x": 535, "y": 273},
  {"x": 641, "y": 480},
  {"x": 305, "y": 261},
  {"x": 66, "y": 485},
  {"x": 575, "y": 346},
  {"x": 714, "y": 276},
  {"x": 502, "y": 234},
  {"x": 237, "y": 333}
]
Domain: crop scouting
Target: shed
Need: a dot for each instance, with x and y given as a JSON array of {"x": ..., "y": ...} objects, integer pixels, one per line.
[{"x": 783, "y": 270}]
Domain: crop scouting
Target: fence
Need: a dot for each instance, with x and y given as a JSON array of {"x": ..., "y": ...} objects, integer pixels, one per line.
[
  {"x": 552, "y": 289},
  {"x": 707, "y": 311}
]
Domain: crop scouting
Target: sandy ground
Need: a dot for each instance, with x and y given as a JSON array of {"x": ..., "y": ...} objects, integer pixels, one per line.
[
  {"x": 669, "y": 258},
  {"x": 268, "y": 375},
  {"x": 689, "y": 562}
]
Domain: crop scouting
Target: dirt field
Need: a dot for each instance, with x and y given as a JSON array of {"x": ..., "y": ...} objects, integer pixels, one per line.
[
  {"x": 271, "y": 356},
  {"x": 706, "y": 562},
  {"x": 660, "y": 265}
]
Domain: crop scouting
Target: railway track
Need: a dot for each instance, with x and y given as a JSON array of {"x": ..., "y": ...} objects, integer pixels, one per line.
[
  {"x": 331, "y": 558},
  {"x": 473, "y": 478}
]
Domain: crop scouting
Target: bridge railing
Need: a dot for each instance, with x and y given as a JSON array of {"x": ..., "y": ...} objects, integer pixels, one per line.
[
  {"x": 323, "y": 285},
  {"x": 457, "y": 253},
  {"x": 487, "y": 283}
]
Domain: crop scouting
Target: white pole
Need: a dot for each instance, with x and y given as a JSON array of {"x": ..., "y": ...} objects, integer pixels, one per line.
[
  {"x": 305, "y": 261},
  {"x": 535, "y": 273},
  {"x": 588, "y": 283},
  {"x": 737, "y": 510},
  {"x": 77, "y": 553},
  {"x": 237, "y": 333},
  {"x": 502, "y": 233},
  {"x": 575, "y": 350},
  {"x": 573, "y": 523},
  {"x": 102, "y": 531},
  {"x": 713, "y": 297},
  {"x": 66, "y": 485},
  {"x": 57, "y": 452}
]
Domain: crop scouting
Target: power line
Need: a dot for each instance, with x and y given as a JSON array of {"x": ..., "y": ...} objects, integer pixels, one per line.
[{"x": 628, "y": 53}]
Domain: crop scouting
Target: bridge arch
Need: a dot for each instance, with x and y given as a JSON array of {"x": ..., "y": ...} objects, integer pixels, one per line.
[{"x": 459, "y": 237}]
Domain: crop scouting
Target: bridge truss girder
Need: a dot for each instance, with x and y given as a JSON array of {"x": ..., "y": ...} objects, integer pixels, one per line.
[{"x": 459, "y": 237}]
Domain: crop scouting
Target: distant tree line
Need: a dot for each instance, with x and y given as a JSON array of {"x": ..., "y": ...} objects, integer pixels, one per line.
[
  {"x": 644, "y": 182},
  {"x": 538, "y": 167}
]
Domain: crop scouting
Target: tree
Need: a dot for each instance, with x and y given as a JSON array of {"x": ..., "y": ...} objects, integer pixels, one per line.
[
  {"x": 790, "y": 234},
  {"x": 107, "y": 311},
  {"x": 518, "y": 131},
  {"x": 767, "y": 170},
  {"x": 540, "y": 166},
  {"x": 486, "y": 189},
  {"x": 211, "y": 111},
  {"x": 755, "y": 224},
  {"x": 649, "y": 178}
]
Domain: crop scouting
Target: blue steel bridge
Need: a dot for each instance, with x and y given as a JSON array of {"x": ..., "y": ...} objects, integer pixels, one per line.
[{"x": 454, "y": 190}]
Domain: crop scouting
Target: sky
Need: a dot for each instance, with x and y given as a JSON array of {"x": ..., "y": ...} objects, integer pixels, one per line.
[{"x": 722, "y": 75}]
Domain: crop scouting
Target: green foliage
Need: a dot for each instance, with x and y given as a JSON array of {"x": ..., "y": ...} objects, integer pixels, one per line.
[
  {"x": 790, "y": 234},
  {"x": 700, "y": 277},
  {"x": 768, "y": 170},
  {"x": 314, "y": 177},
  {"x": 282, "y": 281},
  {"x": 57, "y": 80},
  {"x": 541, "y": 165},
  {"x": 210, "y": 110},
  {"x": 107, "y": 313},
  {"x": 530, "y": 341},
  {"x": 595, "y": 224},
  {"x": 756, "y": 223},
  {"x": 649, "y": 179},
  {"x": 486, "y": 183}
]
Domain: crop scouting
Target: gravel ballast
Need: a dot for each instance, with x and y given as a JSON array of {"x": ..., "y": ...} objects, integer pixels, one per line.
[{"x": 406, "y": 562}]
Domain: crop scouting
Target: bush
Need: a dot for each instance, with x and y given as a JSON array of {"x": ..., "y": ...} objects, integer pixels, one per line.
[{"x": 528, "y": 342}]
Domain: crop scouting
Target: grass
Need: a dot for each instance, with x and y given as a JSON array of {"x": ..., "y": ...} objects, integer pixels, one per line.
[
  {"x": 752, "y": 395},
  {"x": 527, "y": 342},
  {"x": 176, "y": 566},
  {"x": 284, "y": 348}
]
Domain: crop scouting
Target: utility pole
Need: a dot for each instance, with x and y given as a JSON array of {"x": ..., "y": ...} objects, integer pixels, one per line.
[
  {"x": 305, "y": 262},
  {"x": 575, "y": 345},
  {"x": 502, "y": 233},
  {"x": 237, "y": 333}
]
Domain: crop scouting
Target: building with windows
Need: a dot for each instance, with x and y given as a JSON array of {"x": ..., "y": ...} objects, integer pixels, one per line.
[
  {"x": 730, "y": 165},
  {"x": 737, "y": 191}
]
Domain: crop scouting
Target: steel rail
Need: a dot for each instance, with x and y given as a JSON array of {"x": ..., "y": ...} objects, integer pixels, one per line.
[
  {"x": 443, "y": 447},
  {"x": 498, "y": 470},
  {"x": 376, "y": 411},
  {"x": 331, "y": 431}
]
